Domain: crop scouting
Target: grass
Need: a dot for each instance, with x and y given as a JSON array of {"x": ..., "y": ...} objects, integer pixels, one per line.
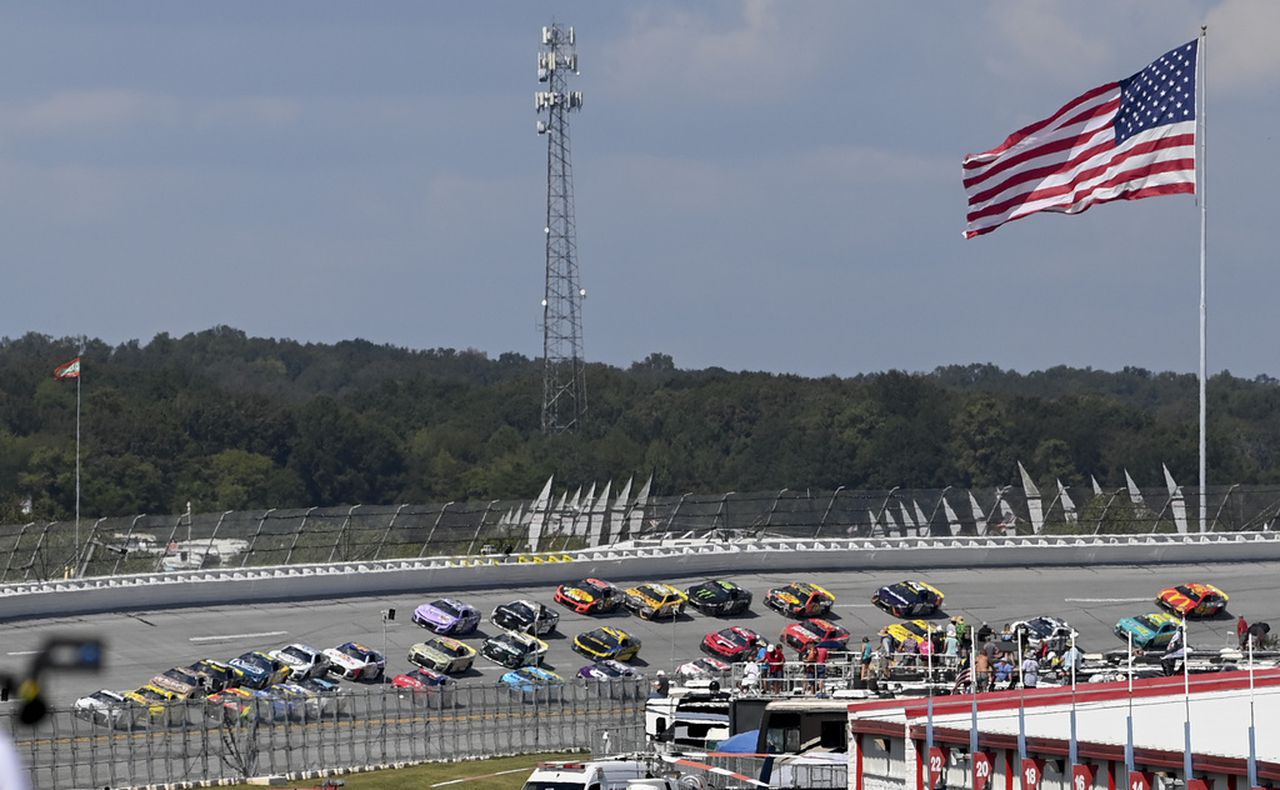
[{"x": 477, "y": 773}]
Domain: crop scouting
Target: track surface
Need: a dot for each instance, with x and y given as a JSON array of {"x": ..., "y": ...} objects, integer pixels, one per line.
[{"x": 143, "y": 644}]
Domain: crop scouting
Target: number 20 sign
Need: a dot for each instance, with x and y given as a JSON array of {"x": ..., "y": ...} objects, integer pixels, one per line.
[{"x": 981, "y": 771}]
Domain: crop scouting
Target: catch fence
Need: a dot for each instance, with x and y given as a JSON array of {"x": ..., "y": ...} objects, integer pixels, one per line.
[
  {"x": 133, "y": 745},
  {"x": 41, "y": 551}
]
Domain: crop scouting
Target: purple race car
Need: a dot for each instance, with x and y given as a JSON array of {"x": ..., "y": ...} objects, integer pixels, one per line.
[
  {"x": 447, "y": 616},
  {"x": 608, "y": 670}
]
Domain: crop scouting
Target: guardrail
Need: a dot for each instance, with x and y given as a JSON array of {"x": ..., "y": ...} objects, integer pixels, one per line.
[{"x": 638, "y": 560}]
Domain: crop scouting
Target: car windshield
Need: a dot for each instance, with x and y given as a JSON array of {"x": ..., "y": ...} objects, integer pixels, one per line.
[
  {"x": 452, "y": 650},
  {"x": 602, "y": 639},
  {"x": 733, "y": 636},
  {"x": 592, "y": 588},
  {"x": 1187, "y": 591},
  {"x": 1040, "y": 627},
  {"x": 152, "y": 695},
  {"x": 507, "y": 644},
  {"x": 102, "y": 696},
  {"x": 1146, "y": 621},
  {"x": 256, "y": 661},
  {"x": 915, "y": 629},
  {"x": 182, "y": 677},
  {"x": 353, "y": 652},
  {"x": 522, "y": 610},
  {"x": 447, "y": 607},
  {"x": 298, "y": 653}
]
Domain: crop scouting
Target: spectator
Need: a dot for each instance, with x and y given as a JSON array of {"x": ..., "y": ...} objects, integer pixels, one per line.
[
  {"x": 991, "y": 651},
  {"x": 1004, "y": 671},
  {"x": 761, "y": 652},
  {"x": 886, "y": 643},
  {"x": 984, "y": 634},
  {"x": 952, "y": 645},
  {"x": 1242, "y": 631},
  {"x": 776, "y": 662},
  {"x": 1258, "y": 635},
  {"x": 909, "y": 650},
  {"x": 866, "y": 657},
  {"x": 1072, "y": 659},
  {"x": 751, "y": 678},
  {"x": 951, "y": 627},
  {"x": 1030, "y": 671},
  {"x": 962, "y": 631},
  {"x": 982, "y": 670},
  {"x": 661, "y": 684}
]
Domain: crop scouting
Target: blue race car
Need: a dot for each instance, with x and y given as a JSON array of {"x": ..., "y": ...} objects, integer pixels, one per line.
[
  {"x": 533, "y": 683},
  {"x": 260, "y": 670},
  {"x": 447, "y": 616},
  {"x": 1150, "y": 631}
]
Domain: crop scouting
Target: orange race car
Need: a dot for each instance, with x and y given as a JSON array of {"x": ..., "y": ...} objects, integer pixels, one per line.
[{"x": 1192, "y": 600}]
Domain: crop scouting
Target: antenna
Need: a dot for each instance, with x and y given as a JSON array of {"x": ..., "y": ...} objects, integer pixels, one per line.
[{"x": 564, "y": 389}]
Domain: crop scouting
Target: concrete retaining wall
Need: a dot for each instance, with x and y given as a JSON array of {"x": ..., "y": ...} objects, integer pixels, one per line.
[{"x": 639, "y": 561}]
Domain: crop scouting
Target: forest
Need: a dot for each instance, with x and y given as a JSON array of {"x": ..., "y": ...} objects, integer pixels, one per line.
[{"x": 227, "y": 421}]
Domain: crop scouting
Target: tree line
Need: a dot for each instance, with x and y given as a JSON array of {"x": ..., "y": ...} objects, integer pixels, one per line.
[{"x": 227, "y": 421}]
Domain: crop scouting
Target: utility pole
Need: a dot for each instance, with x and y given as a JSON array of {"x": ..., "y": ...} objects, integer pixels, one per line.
[{"x": 564, "y": 389}]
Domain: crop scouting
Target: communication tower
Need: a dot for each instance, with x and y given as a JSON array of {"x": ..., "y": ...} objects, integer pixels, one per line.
[{"x": 564, "y": 389}]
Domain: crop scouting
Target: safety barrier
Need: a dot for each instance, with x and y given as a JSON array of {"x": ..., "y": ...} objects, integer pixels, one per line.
[
  {"x": 638, "y": 560},
  {"x": 203, "y": 741}
]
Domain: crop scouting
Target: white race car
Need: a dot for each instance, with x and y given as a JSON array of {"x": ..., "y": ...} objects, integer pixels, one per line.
[
  {"x": 107, "y": 708},
  {"x": 703, "y": 668},
  {"x": 304, "y": 661},
  {"x": 354, "y": 661}
]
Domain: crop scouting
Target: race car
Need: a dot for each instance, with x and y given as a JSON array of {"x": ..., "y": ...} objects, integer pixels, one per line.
[
  {"x": 354, "y": 661},
  {"x": 260, "y": 669},
  {"x": 908, "y": 599},
  {"x": 215, "y": 675},
  {"x": 304, "y": 661},
  {"x": 607, "y": 642},
  {"x": 719, "y": 598},
  {"x": 1038, "y": 629},
  {"x": 914, "y": 630},
  {"x": 447, "y": 616},
  {"x": 443, "y": 654},
  {"x": 317, "y": 701},
  {"x": 608, "y": 670},
  {"x": 702, "y": 669},
  {"x": 1149, "y": 631},
  {"x": 524, "y": 615},
  {"x": 181, "y": 681},
  {"x": 426, "y": 681},
  {"x": 811, "y": 632},
  {"x": 1193, "y": 600},
  {"x": 231, "y": 704},
  {"x": 800, "y": 600},
  {"x": 589, "y": 596},
  {"x": 513, "y": 649},
  {"x": 732, "y": 644},
  {"x": 162, "y": 706},
  {"x": 107, "y": 708},
  {"x": 533, "y": 683},
  {"x": 651, "y": 601}
]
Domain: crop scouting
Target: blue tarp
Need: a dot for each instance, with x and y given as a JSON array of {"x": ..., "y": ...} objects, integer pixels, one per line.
[{"x": 742, "y": 743}]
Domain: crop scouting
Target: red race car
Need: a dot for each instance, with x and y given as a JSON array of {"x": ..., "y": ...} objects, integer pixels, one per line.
[
  {"x": 590, "y": 596},
  {"x": 811, "y": 632},
  {"x": 732, "y": 644},
  {"x": 1193, "y": 600}
]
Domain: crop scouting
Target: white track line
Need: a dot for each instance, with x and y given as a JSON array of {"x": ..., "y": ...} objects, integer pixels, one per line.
[
  {"x": 854, "y": 606},
  {"x": 224, "y": 637},
  {"x": 1107, "y": 600},
  {"x": 22, "y": 653}
]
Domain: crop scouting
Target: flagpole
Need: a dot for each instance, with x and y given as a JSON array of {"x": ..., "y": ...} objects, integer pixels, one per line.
[
  {"x": 1202, "y": 86},
  {"x": 78, "y": 375},
  {"x": 1186, "y": 698},
  {"x": 1253, "y": 750},
  {"x": 1128, "y": 721},
  {"x": 1022, "y": 696},
  {"x": 1072, "y": 749},
  {"x": 928, "y": 725}
]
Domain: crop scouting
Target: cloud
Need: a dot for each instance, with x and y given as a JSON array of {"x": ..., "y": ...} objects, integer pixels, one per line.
[
  {"x": 1036, "y": 40},
  {"x": 1241, "y": 51},
  {"x": 761, "y": 51},
  {"x": 107, "y": 109}
]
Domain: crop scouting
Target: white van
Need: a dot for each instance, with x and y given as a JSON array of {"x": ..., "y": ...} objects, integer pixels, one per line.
[{"x": 594, "y": 775}]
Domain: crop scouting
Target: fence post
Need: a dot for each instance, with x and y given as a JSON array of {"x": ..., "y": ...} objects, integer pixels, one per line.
[
  {"x": 254, "y": 541},
  {"x": 16, "y": 543},
  {"x": 173, "y": 533},
  {"x": 483, "y": 517},
  {"x": 377, "y": 553},
  {"x": 883, "y": 507},
  {"x": 213, "y": 535},
  {"x": 342, "y": 533},
  {"x": 127, "y": 536},
  {"x": 1103, "y": 515},
  {"x": 938, "y": 505},
  {"x": 432, "y": 533},
  {"x": 301, "y": 527},
  {"x": 768, "y": 519},
  {"x": 1214, "y": 525},
  {"x": 36, "y": 551},
  {"x": 671, "y": 520},
  {"x": 88, "y": 550},
  {"x": 817, "y": 533}
]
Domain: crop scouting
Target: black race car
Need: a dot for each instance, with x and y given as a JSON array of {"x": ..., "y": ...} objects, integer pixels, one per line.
[
  {"x": 524, "y": 615},
  {"x": 908, "y": 599},
  {"x": 717, "y": 597}
]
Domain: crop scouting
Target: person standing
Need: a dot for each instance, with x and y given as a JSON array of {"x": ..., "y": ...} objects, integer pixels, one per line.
[
  {"x": 866, "y": 657},
  {"x": 982, "y": 670},
  {"x": 1242, "y": 631},
  {"x": 1030, "y": 671}
]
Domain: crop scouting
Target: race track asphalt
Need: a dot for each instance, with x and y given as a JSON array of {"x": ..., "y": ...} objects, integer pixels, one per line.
[{"x": 140, "y": 645}]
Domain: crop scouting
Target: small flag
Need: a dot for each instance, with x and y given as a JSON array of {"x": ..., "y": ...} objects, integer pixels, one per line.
[
  {"x": 1125, "y": 140},
  {"x": 71, "y": 370}
]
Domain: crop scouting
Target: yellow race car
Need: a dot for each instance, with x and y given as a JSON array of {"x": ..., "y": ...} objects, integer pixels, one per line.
[
  {"x": 607, "y": 642},
  {"x": 909, "y": 631},
  {"x": 653, "y": 600}
]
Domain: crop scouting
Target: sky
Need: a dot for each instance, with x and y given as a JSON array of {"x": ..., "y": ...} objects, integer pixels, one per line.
[{"x": 760, "y": 185}]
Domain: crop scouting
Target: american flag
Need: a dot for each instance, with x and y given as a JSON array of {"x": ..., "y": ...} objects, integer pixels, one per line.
[{"x": 1125, "y": 140}]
